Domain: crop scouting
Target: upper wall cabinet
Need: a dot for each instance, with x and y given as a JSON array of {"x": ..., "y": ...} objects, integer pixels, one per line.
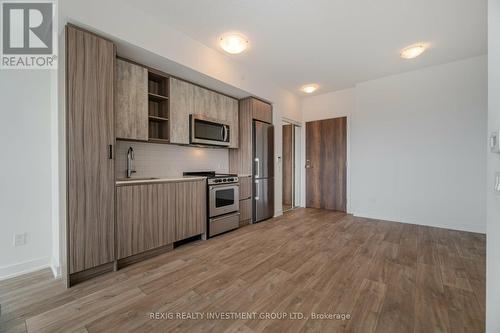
[
  {"x": 262, "y": 111},
  {"x": 240, "y": 160},
  {"x": 187, "y": 98},
  {"x": 131, "y": 102},
  {"x": 181, "y": 106}
]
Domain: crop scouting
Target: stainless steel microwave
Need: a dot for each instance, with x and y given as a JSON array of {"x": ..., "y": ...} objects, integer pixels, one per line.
[{"x": 208, "y": 131}]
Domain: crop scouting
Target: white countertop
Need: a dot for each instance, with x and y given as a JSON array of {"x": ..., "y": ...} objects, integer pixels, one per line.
[{"x": 154, "y": 180}]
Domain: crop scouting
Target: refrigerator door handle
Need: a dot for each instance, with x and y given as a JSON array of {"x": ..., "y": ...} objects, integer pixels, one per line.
[
  {"x": 257, "y": 191},
  {"x": 257, "y": 173}
]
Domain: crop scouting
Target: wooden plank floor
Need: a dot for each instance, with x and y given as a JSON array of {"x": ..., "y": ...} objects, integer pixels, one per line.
[{"x": 389, "y": 277}]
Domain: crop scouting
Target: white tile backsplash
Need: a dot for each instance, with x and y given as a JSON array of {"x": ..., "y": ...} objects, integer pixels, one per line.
[{"x": 166, "y": 160}]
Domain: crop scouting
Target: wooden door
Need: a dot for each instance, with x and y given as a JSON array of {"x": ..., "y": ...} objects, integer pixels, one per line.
[
  {"x": 288, "y": 166},
  {"x": 131, "y": 120},
  {"x": 90, "y": 134},
  {"x": 326, "y": 156}
]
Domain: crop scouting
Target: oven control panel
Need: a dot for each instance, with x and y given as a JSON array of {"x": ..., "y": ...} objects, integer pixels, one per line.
[{"x": 222, "y": 180}]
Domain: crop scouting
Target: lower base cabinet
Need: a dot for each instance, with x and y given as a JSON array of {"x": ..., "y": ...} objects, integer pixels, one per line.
[
  {"x": 149, "y": 216},
  {"x": 245, "y": 211},
  {"x": 191, "y": 206}
]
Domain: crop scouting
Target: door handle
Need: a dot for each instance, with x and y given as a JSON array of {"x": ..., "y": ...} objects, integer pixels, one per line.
[
  {"x": 225, "y": 132},
  {"x": 257, "y": 190},
  {"x": 257, "y": 174},
  {"x": 110, "y": 152}
]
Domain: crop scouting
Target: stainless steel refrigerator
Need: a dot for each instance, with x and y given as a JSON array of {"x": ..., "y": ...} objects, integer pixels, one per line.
[{"x": 263, "y": 171}]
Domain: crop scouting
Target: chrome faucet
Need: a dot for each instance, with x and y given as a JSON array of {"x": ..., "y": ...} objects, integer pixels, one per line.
[{"x": 130, "y": 157}]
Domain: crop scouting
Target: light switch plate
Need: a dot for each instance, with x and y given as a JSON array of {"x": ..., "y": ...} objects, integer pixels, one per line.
[{"x": 494, "y": 141}]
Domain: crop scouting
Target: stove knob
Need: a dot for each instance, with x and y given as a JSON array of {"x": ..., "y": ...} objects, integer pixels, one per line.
[
  {"x": 217, "y": 181},
  {"x": 224, "y": 180}
]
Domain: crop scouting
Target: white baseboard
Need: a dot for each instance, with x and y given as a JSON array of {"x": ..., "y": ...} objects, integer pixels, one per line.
[
  {"x": 443, "y": 226},
  {"x": 56, "y": 268},
  {"x": 21, "y": 268}
]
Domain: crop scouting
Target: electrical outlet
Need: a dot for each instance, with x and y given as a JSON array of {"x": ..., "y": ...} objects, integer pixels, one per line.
[
  {"x": 497, "y": 183},
  {"x": 20, "y": 239},
  {"x": 494, "y": 142}
]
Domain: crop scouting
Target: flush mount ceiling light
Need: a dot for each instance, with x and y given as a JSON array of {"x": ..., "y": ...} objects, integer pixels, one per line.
[
  {"x": 309, "y": 88},
  {"x": 413, "y": 51},
  {"x": 233, "y": 43}
]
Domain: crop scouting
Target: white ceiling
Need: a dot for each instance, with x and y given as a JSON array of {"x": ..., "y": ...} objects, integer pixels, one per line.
[{"x": 335, "y": 43}]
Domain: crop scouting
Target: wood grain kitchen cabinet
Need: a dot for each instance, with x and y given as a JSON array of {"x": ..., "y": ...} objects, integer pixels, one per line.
[
  {"x": 181, "y": 106},
  {"x": 245, "y": 187},
  {"x": 187, "y": 98},
  {"x": 90, "y": 62},
  {"x": 149, "y": 216},
  {"x": 245, "y": 211},
  {"x": 131, "y": 102},
  {"x": 262, "y": 111},
  {"x": 190, "y": 209},
  {"x": 145, "y": 217},
  {"x": 230, "y": 105},
  {"x": 206, "y": 102},
  {"x": 240, "y": 160}
]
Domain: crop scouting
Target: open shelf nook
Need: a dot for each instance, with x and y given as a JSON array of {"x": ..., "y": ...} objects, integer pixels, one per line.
[{"x": 158, "y": 107}]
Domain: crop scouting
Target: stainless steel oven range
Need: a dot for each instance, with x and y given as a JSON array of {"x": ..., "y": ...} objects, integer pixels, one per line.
[{"x": 223, "y": 205}]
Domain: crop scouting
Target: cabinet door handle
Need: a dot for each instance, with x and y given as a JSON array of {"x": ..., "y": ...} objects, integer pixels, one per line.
[{"x": 110, "y": 152}]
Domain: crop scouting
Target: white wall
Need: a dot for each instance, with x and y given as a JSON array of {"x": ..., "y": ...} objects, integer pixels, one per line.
[
  {"x": 493, "y": 203},
  {"x": 25, "y": 170},
  {"x": 416, "y": 144},
  {"x": 330, "y": 105}
]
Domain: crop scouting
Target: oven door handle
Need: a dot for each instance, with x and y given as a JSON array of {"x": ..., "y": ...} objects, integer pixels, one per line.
[{"x": 224, "y": 187}]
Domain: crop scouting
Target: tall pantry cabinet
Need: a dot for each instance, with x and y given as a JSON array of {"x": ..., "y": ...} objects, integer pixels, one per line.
[{"x": 90, "y": 65}]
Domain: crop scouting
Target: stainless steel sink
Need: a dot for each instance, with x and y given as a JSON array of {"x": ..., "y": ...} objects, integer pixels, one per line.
[{"x": 136, "y": 178}]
